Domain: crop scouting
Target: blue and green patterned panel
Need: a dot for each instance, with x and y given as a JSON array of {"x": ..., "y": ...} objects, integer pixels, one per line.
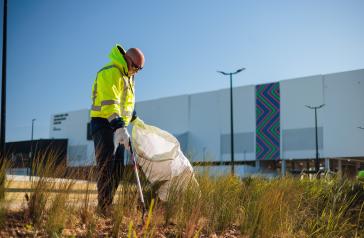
[{"x": 267, "y": 121}]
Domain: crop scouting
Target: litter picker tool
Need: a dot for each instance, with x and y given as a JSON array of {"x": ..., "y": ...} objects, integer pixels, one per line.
[{"x": 132, "y": 157}]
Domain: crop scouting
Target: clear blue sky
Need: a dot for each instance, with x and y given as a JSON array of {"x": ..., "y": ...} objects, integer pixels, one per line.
[{"x": 56, "y": 47}]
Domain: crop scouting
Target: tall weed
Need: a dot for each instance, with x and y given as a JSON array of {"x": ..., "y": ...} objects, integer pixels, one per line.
[
  {"x": 4, "y": 166},
  {"x": 45, "y": 168},
  {"x": 223, "y": 197},
  {"x": 59, "y": 210}
]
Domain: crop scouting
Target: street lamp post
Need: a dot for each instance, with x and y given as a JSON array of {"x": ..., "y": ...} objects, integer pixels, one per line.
[
  {"x": 317, "y": 153},
  {"x": 231, "y": 115},
  {"x": 3, "y": 80},
  {"x": 31, "y": 148},
  {"x": 33, "y": 120}
]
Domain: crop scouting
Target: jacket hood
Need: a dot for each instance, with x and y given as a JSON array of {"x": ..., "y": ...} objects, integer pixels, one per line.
[{"x": 117, "y": 57}]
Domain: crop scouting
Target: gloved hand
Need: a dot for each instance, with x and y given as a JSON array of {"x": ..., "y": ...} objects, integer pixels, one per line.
[
  {"x": 137, "y": 122},
  {"x": 121, "y": 136}
]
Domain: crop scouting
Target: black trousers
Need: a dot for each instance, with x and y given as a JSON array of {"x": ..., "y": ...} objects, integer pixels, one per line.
[{"x": 110, "y": 167}]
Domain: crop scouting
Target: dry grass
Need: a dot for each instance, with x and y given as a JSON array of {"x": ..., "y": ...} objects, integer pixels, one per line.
[
  {"x": 225, "y": 206},
  {"x": 38, "y": 200},
  {"x": 58, "y": 208},
  {"x": 4, "y": 165}
]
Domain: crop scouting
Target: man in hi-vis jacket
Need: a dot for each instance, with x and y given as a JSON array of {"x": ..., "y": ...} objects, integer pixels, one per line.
[{"x": 112, "y": 110}]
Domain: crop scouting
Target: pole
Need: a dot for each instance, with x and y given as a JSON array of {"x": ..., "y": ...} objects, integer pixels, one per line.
[
  {"x": 32, "y": 129},
  {"x": 317, "y": 162},
  {"x": 135, "y": 166},
  {"x": 3, "y": 83},
  {"x": 31, "y": 150},
  {"x": 232, "y": 125},
  {"x": 231, "y": 116},
  {"x": 317, "y": 153}
]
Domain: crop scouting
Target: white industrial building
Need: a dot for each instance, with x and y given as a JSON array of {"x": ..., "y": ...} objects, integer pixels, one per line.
[{"x": 273, "y": 129}]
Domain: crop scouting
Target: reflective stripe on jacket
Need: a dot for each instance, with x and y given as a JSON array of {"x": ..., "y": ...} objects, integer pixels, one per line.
[{"x": 113, "y": 90}]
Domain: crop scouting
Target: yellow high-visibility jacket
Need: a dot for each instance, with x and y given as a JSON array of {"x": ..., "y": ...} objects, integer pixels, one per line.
[{"x": 113, "y": 90}]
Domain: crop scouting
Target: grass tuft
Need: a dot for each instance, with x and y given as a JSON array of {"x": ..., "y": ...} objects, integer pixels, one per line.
[
  {"x": 4, "y": 166},
  {"x": 224, "y": 206}
]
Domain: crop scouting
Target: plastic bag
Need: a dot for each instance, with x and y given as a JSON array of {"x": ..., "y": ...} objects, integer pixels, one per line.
[{"x": 161, "y": 158}]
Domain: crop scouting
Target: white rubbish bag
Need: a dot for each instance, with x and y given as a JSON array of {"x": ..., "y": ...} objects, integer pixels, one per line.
[{"x": 161, "y": 158}]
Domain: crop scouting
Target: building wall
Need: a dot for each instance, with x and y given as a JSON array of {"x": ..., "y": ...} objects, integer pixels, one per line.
[
  {"x": 297, "y": 121},
  {"x": 73, "y": 126},
  {"x": 202, "y": 121},
  {"x": 344, "y": 113},
  {"x": 244, "y": 123},
  {"x": 170, "y": 113},
  {"x": 205, "y": 117},
  {"x": 204, "y": 130},
  {"x": 268, "y": 132}
]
